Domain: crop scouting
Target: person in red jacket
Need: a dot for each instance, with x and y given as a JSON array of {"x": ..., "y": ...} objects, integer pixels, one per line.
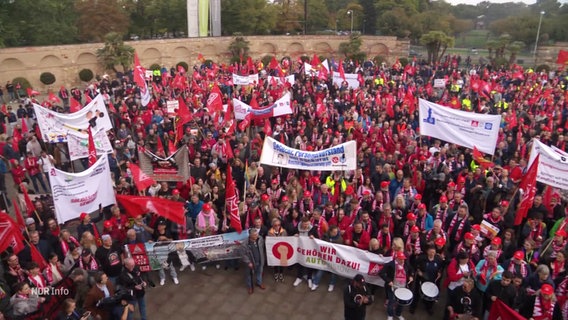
[
  {"x": 357, "y": 237},
  {"x": 459, "y": 269}
]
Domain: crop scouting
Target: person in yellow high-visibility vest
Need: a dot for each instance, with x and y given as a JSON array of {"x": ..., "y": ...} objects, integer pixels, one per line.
[
  {"x": 336, "y": 184},
  {"x": 466, "y": 104}
]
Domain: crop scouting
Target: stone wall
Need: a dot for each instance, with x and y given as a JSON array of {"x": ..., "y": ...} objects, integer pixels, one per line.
[
  {"x": 548, "y": 54},
  {"x": 65, "y": 62}
]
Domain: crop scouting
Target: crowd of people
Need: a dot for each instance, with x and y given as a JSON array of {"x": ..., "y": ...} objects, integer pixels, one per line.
[{"x": 420, "y": 200}]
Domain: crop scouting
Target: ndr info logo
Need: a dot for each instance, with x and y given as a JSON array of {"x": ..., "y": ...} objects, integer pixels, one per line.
[{"x": 48, "y": 291}]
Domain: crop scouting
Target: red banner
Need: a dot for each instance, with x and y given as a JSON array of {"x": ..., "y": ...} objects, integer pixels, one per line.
[
  {"x": 500, "y": 311},
  {"x": 10, "y": 234},
  {"x": 135, "y": 205}
]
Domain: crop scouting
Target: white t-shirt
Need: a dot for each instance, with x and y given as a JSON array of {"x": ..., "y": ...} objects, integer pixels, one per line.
[{"x": 46, "y": 163}]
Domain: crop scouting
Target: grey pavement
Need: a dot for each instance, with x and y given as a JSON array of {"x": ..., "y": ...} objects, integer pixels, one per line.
[{"x": 222, "y": 294}]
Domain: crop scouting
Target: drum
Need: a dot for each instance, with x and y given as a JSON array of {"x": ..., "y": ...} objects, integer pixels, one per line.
[
  {"x": 403, "y": 296},
  {"x": 429, "y": 291}
]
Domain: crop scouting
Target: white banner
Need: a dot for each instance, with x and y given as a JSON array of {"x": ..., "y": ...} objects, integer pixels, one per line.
[
  {"x": 552, "y": 165},
  {"x": 279, "y": 108},
  {"x": 439, "y": 83},
  {"x": 342, "y": 260},
  {"x": 245, "y": 80},
  {"x": 74, "y": 193},
  {"x": 341, "y": 157},
  {"x": 351, "y": 78},
  {"x": 55, "y": 126},
  {"x": 78, "y": 144},
  {"x": 172, "y": 105},
  {"x": 466, "y": 129},
  {"x": 290, "y": 79}
]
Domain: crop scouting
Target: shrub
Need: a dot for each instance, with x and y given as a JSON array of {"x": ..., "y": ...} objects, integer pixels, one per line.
[
  {"x": 208, "y": 63},
  {"x": 498, "y": 62},
  {"x": 23, "y": 82},
  {"x": 86, "y": 75},
  {"x": 184, "y": 65},
  {"x": 542, "y": 67},
  {"x": 305, "y": 58},
  {"x": 378, "y": 60},
  {"x": 403, "y": 61},
  {"x": 155, "y": 66},
  {"x": 47, "y": 78},
  {"x": 266, "y": 59}
]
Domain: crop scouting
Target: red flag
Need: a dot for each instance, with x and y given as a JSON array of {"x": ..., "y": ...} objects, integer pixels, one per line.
[
  {"x": 92, "y": 149},
  {"x": 53, "y": 98},
  {"x": 140, "y": 80},
  {"x": 528, "y": 186},
  {"x": 30, "y": 208},
  {"x": 19, "y": 217},
  {"x": 232, "y": 201},
  {"x": 141, "y": 179},
  {"x": 181, "y": 69},
  {"x": 37, "y": 257},
  {"x": 10, "y": 235},
  {"x": 74, "y": 105},
  {"x": 16, "y": 137},
  {"x": 499, "y": 310},
  {"x": 267, "y": 128},
  {"x": 135, "y": 205},
  {"x": 200, "y": 58},
  {"x": 32, "y": 92},
  {"x": 246, "y": 122},
  {"x": 341, "y": 71},
  {"x": 215, "y": 100},
  {"x": 273, "y": 63},
  {"x": 250, "y": 65},
  {"x": 315, "y": 61},
  {"x": 24, "y": 126},
  {"x": 171, "y": 147},
  {"x": 183, "y": 111},
  {"x": 160, "y": 148},
  {"x": 562, "y": 57},
  {"x": 478, "y": 157}
]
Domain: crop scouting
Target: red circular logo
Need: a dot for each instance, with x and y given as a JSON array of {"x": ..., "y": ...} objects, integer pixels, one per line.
[
  {"x": 276, "y": 253},
  {"x": 335, "y": 159}
]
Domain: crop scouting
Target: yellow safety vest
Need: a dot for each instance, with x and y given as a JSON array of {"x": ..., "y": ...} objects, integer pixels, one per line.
[{"x": 466, "y": 103}]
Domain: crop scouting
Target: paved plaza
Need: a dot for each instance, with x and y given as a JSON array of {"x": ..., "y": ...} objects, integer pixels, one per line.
[{"x": 222, "y": 294}]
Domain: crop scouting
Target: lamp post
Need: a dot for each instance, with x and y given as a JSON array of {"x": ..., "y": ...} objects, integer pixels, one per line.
[
  {"x": 537, "y": 35},
  {"x": 350, "y": 13}
]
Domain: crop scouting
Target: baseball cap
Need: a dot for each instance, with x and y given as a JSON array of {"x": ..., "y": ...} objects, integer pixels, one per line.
[
  {"x": 107, "y": 224},
  {"x": 414, "y": 229},
  {"x": 443, "y": 199},
  {"x": 476, "y": 227},
  {"x": 29, "y": 221},
  {"x": 83, "y": 215},
  {"x": 469, "y": 236},
  {"x": 400, "y": 255},
  {"x": 496, "y": 241},
  {"x": 366, "y": 193},
  {"x": 175, "y": 191},
  {"x": 440, "y": 242},
  {"x": 384, "y": 184},
  {"x": 561, "y": 233},
  {"x": 411, "y": 216},
  {"x": 519, "y": 255},
  {"x": 547, "y": 289},
  {"x": 418, "y": 196},
  {"x": 451, "y": 184},
  {"x": 422, "y": 206}
]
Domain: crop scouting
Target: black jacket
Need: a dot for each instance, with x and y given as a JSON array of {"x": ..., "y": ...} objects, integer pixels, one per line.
[
  {"x": 354, "y": 310},
  {"x": 388, "y": 272},
  {"x": 506, "y": 294},
  {"x": 470, "y": 303},
  {"x": 130, "y": 279}
]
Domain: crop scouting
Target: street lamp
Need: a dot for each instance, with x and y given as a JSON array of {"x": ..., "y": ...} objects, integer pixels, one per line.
[
  {"x": 537, "y": 35},
  {"x": 350, "y": 13}
]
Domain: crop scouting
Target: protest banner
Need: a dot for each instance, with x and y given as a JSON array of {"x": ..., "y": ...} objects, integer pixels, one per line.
[
  {"x": 340, "y": 157},
  {"x": 172, "y": 168},
  {"x": 290, "y": 79},
  {"x": 239, "y": 80},
  {"x": 154, "y": 256},
  {"x": 488, "y": 230},
  {"x": 278, "y": 108},
  {"x": 439, "y": 83},
  {"x": 552, "y": 167},
  {"x": 74, "y": 193},
  {"x": 55, "y": 126},
  {"x": 342, "y": 260},
  {"x": 172, "y": 106},
  {"x": 466, "y": 129},
  {"x": 78, "y": 144},
  {"x": 351, "y": 78}
]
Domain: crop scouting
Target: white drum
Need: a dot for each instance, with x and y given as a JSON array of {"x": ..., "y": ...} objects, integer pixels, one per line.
[
  {"x": 430, "y": 291},
  {"x": 403, "y": 296}
]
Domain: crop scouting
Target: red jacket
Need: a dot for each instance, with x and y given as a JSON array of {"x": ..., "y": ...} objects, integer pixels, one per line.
[
  {"x": 363, "y": 241},
  {"x": 452, "y": 272}
]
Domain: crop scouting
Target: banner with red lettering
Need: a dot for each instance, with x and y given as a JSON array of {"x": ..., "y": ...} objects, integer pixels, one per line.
[
  {"x": 342, "y": 260},
  {"x": 74, "y": 193}
]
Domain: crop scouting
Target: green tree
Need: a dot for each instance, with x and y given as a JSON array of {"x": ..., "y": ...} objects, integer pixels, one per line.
[
  {"x": 352, "y": 49},
  {"x": 436, "y": 42},
  {"x": 248, "y": 17},
  {"x": 115, "y": 53},
  {"x": 238, "y": 48},
  {"x": 514, "y": 48},
  {"x": 370, "y": 16},
  {"x": 100, "y": 17}
]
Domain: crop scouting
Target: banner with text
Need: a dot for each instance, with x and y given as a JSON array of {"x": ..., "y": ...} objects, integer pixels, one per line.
[
  {"x": 290, "y": 79},
  {"x": 55, "y": 126},
  {"x": 351, "y": 78},
  {"x": 340, "y": 157},
  {"x": 278, "y": 108},
  {"x": 239, "y": 80},
  {"x": 466, "y": 129},
  {"x": 78, "y": 144},
  {"x": 342, "y": 260},
  {"x": 552, "y": 165},
  {"x": 154, "y": 255},
  {"x": 74, "y": 193}
]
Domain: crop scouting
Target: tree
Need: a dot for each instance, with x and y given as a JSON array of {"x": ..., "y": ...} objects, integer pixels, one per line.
[
  {"x": 352, "y": 49},
  {"x": 514, "y": 49},
  {"x": 115, "y": 53},
  {"x": 100, "y": 17},
  {"x": 436, "y": 42},
  {"x": 370, "y": 16},
  {"x": 239, "y": 48},
  {"x": 248, "y": 17}
]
